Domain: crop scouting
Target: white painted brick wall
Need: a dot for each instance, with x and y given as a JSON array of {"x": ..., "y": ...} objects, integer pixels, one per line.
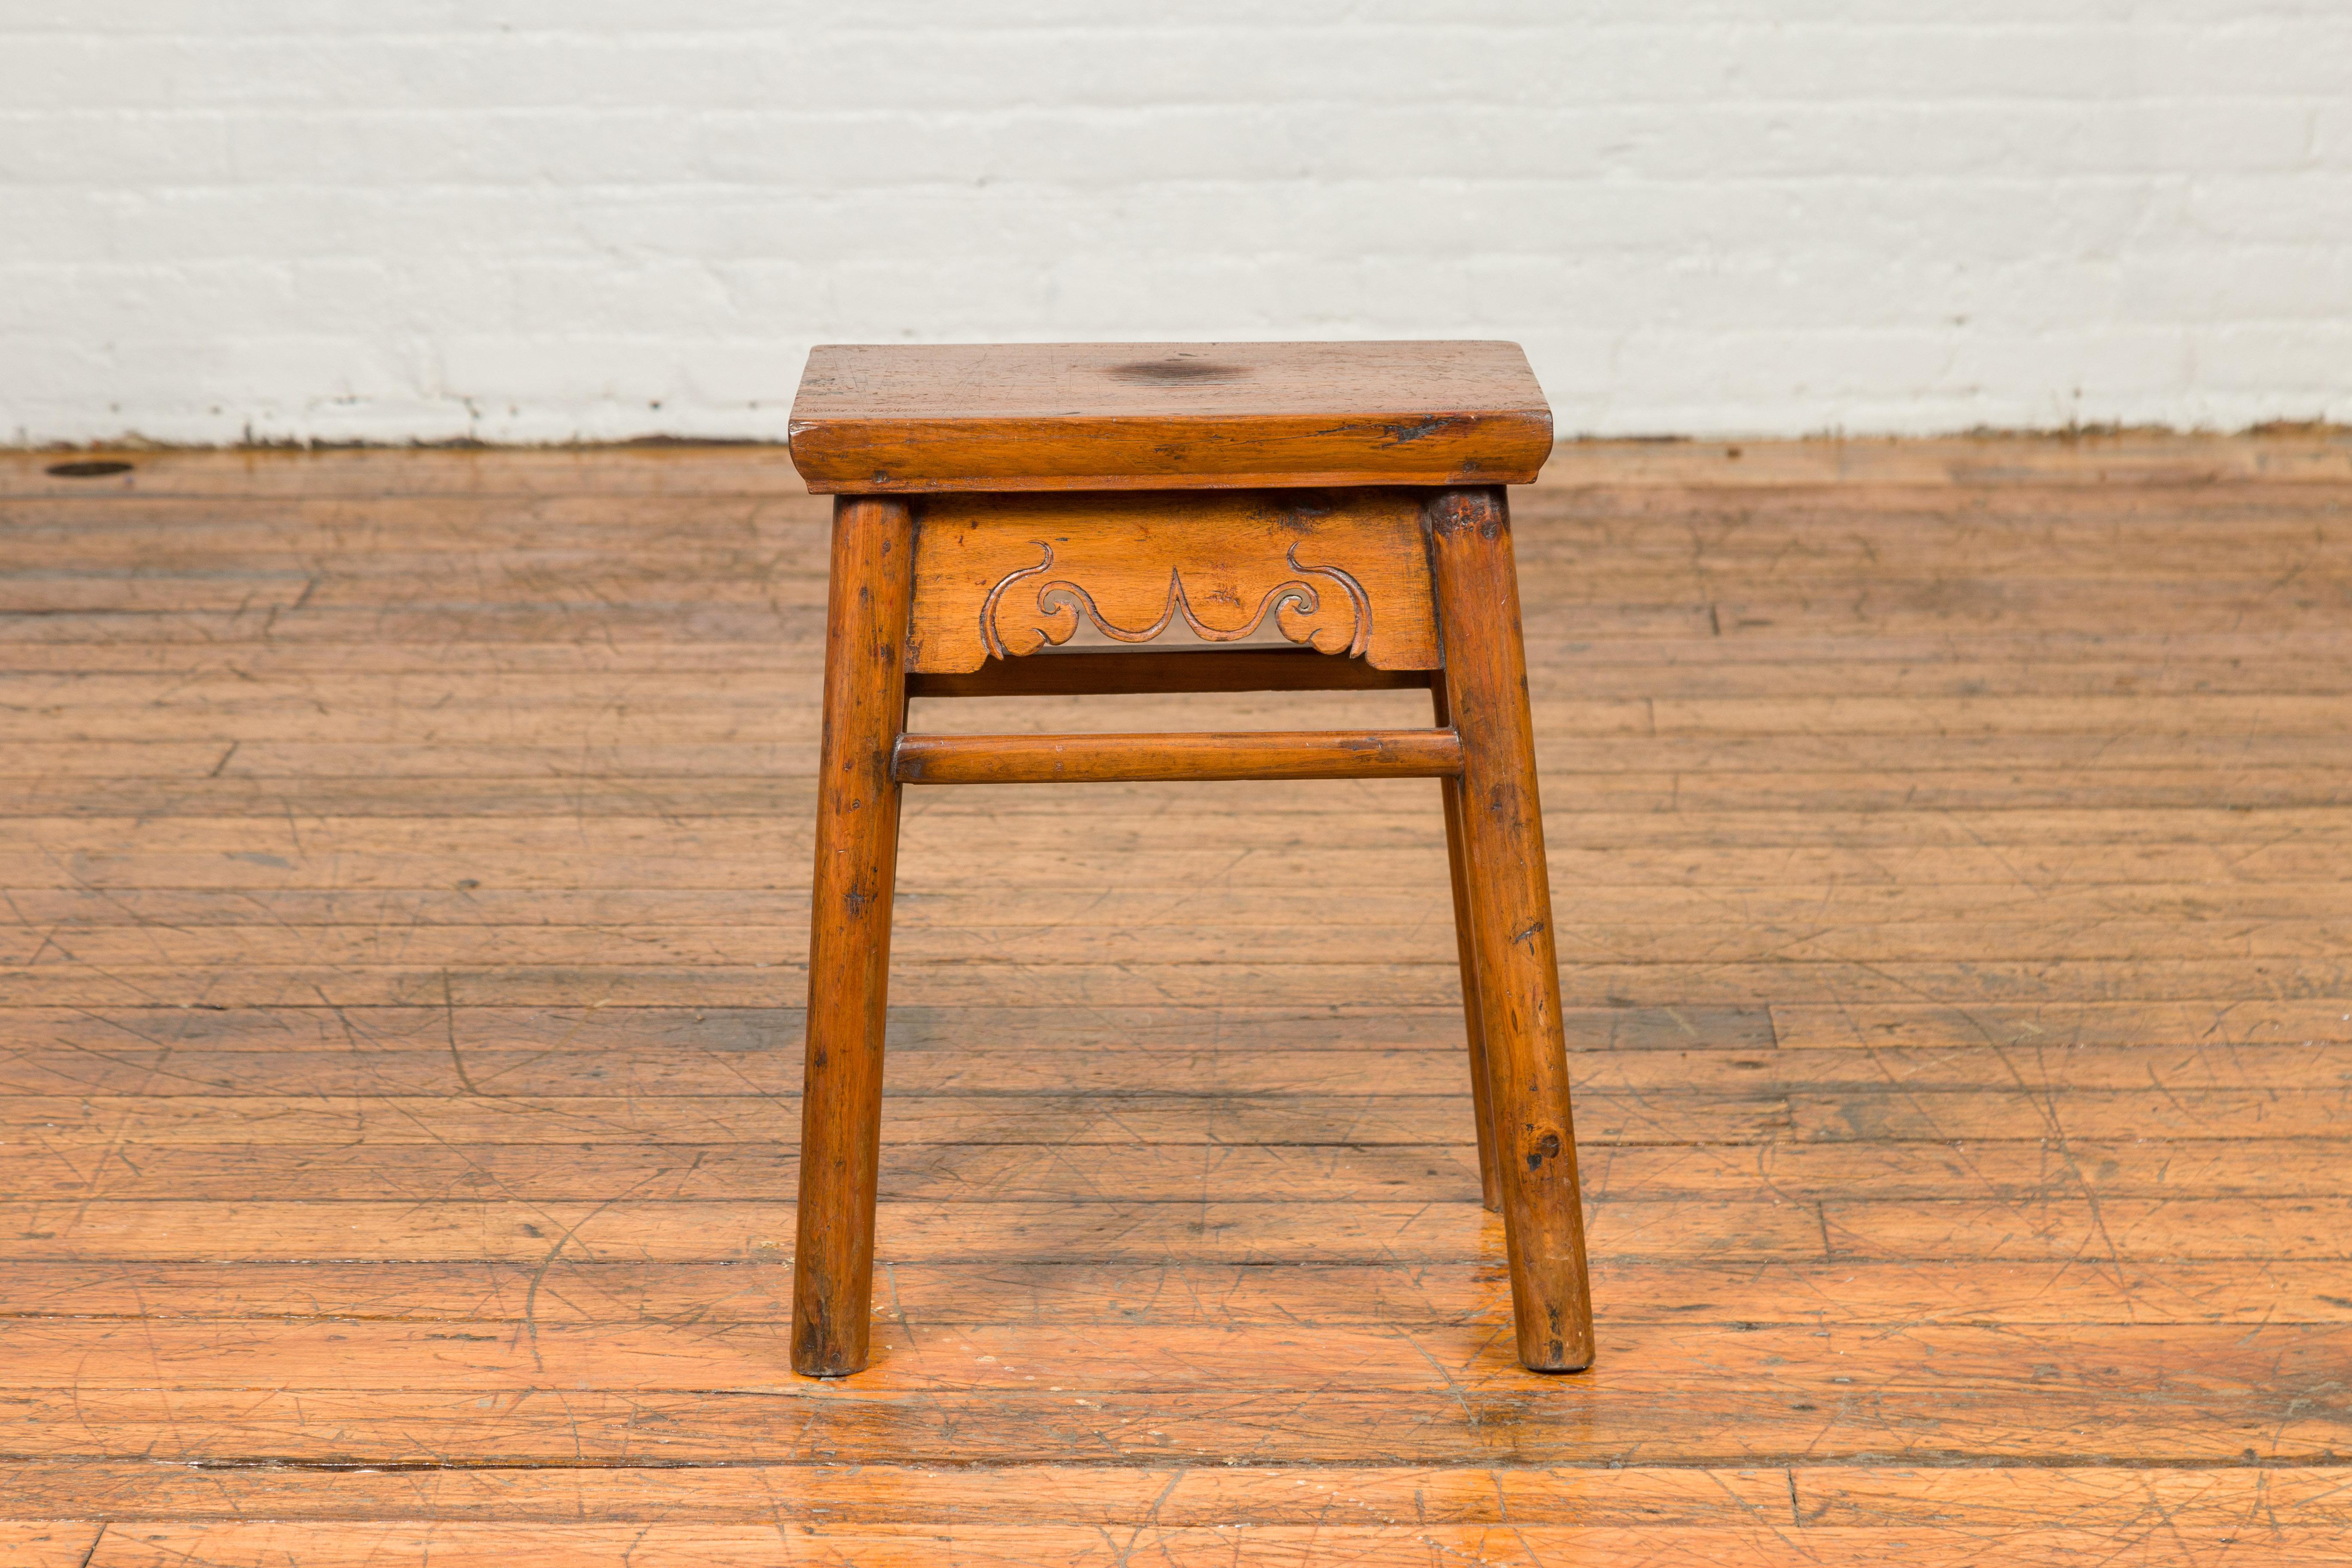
[{"x": 543, "y": 219}]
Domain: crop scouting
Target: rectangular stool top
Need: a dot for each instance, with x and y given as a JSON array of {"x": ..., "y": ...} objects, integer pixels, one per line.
[{"x": 874, "y": 418}]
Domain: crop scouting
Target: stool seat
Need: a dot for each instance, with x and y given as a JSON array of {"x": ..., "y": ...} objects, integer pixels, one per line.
[
  {"x": 878, "y": 418},
  {"x": 991, "y": 503}
]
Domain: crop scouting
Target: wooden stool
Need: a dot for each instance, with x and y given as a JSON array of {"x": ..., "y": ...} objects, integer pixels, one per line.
[{"x": 990, "y": 500}]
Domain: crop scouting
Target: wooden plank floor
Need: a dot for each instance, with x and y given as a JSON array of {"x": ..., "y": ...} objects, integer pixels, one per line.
[{"x": 404, "y": 866}]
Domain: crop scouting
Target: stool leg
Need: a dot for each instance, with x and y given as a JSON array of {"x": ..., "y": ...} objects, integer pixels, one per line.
[
  {"x": 849, "y": 931},
  {"x": 1509, "y": 904},
  {"x": 1490, "y": 1183}
]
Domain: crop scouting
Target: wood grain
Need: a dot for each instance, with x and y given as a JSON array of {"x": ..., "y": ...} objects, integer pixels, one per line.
[
  {"x": 2281, "y": 1171},
  {"x": 1733, "y": 1295},
  {"x": 2087, "y": 1406},
  {"x": 403, "y": 890},
  {"x": 1011, "y": 416},
  {"x": 1851, "y": 1497},
  {"x": 848, "y": 967},
  {"x": 1510, "y": 976},
  {"x": 1115, "y": 759},
  {"x": 1770, "y": 1545}
]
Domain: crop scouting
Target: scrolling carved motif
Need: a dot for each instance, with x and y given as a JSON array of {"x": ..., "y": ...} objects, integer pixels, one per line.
[
  {"x": 1343, "y": 571},
  {"x": 1334, "y": 618}
]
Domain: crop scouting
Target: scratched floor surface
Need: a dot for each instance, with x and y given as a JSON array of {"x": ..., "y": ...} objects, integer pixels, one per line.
[{"x": 404, "y": 855}]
